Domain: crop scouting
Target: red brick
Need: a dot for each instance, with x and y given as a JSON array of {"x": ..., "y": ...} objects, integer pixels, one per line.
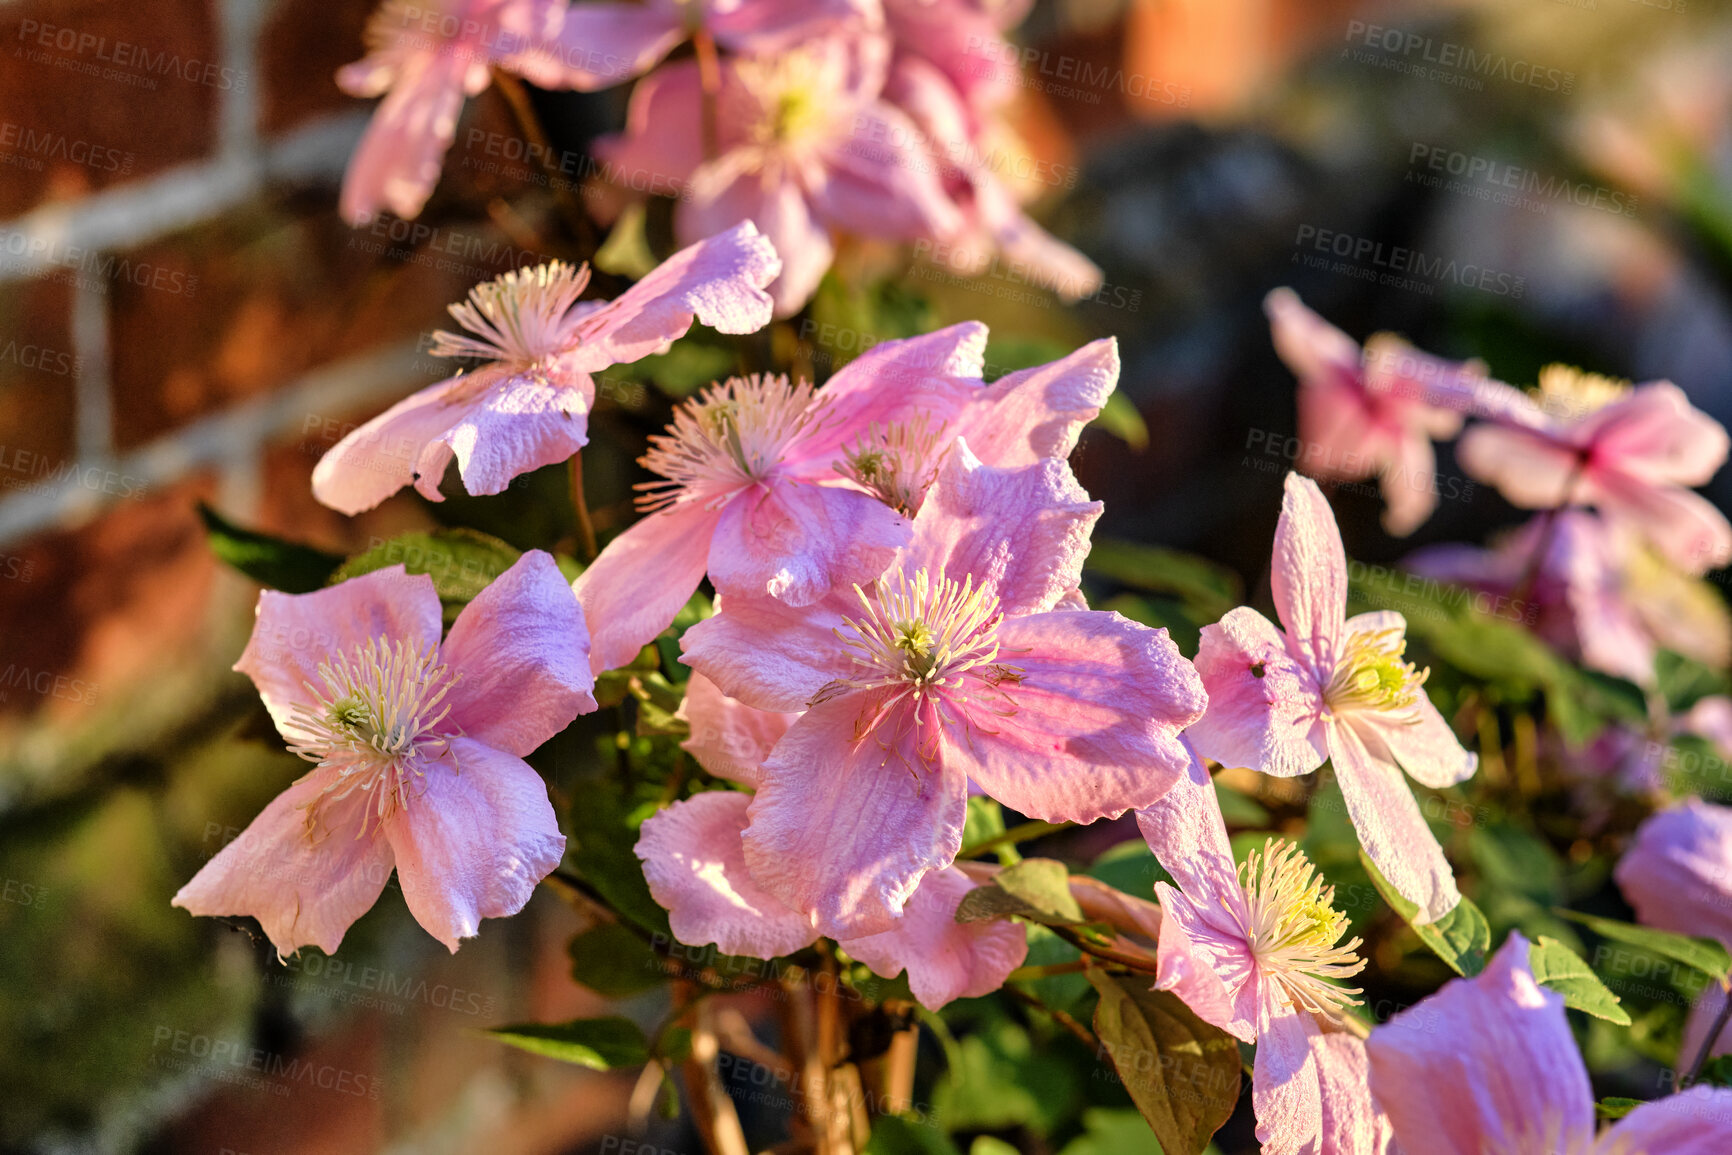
[
  {"x": 38, "y": 370},
  {"x": 151, "y": 103},
  {"x": 300, "y": 49}
]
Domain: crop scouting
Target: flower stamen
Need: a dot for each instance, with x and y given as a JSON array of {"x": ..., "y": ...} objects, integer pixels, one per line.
[
  {"x": 521, "y": 317},
  {"x": 733, "y": 434},
  {"x": 1372, "y": 675},
  {"x": 1293, "y": 927},
  {"x": 896, "y": 463},
  {"x": 1565, "y": 391}
]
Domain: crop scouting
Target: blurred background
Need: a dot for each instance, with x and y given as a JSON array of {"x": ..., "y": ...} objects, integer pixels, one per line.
[{"x": 184, "y": 320}]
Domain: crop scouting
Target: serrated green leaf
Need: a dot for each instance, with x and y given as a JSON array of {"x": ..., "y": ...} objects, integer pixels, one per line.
[
  {"x": 1701, "y": 954},
  {"x": 613, "y": 960},
  {"x": 1560, "y": 968},
  {"x": 461, "y": 562},
  {"x": 1460, "y": 938},
  {"x": 1182, "y": 1073},
  {"x": 599, "y": 1044},
  {"x": 1035, "y": 888},
  {"x": 271, "y": 561}
]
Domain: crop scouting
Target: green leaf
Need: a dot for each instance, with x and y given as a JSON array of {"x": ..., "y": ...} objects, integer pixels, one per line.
[
  {"x": 1035, "y": 888},
  {"x": 907, "y": 1135},
  {"x": 613, "y": 960},
  {"x": 626, "y": 252},
  {"x": 998, "y": 1079},
  {"x": 1716, "y": 1072},
  {"x": 461, "y": 562},
  {"x": 602, "y": 835},
  {"x": 1701, "y": 954},
  {"x": 271, "y": 561},
  {"x": 1615, "y": 1107},
  {"x": 1560, "y": 968},
  {"x": 991, "y": 1145},
  {"x": 1131, "y": 867},
  {"x": 1120, "y": 418},
  {"x": 1182, "y": 1073},
  {"x": 599, "y": 1044},
  {"x": 1460, "y": 938},
  {"x": 1206, "y": 589},
  {"x": 1109, "y": 1131}
]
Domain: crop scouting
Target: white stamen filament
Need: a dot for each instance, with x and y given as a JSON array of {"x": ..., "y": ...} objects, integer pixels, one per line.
[
  {"x": 733, "y": 434},
  {"x": 519, "y": 318},
  {"x": 1370, "y": 674},
  {"x": 896, "y": 464},
  {"x": 1292, "y": 927}
]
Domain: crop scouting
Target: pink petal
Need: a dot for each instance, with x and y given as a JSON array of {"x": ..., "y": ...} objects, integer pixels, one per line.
[
  {"x": 696, "y": 867},
  {"x": 474, "y": 841},
  {"x": 1315, "y": 350},
  {"x": 1390, "y": 826},
  {"x": 294, "y": 633},
  {"x": 601, "y": 45},
  {"x": 796, "y": 542},
  {"x": 1284, "y": 1082},
  {"x": 1678, "y": 873},
  {"x": 1703, "y": 1015},
  {"x": 663, "y": 142},
  {"x": 528, "y": 420},
  {"x": 1090, "y": 727},
  {"x": 641, "y": 581},
  {"x": 1486, "y": 1063},
  {"x": 719, "y": 281},
  {"x": 1265, "y": 708},
  {"x": 769, "y": 654},
  {"x": 945, "y": 959},
  {"x": 1340, "y": 437},
  {"x": 767, "y": 27},
  {"x": 1352, "y": 1123},
  {"x": 1421, "y": 744},
  {"x": 1188, "y": 835},
  {"x": 1024, "y": 532},
  {"x": 845, "y": 825},
  {"x": 304, "y": 885},
  {"x": 521, "y": 655},
  {"x": 1037, "y": 413},
  {"x": 1654, "y": 434},
  {"x": 1684, "y": 526},
  {"x": 1204, "y": 963},
  {"x": 1409, "y": 484},
  {"x": 1530, "y": 469},
  {"x": 1309, "y": 575},
  {"x": 879, "y": 183},
  {"x": 729, "y": 739},
  {"x": 1697, "y": 1121},
  {"x": 397, "y": 162},
  {"x": 401, "y": 446},
  {"x": 722, "y": 197}
]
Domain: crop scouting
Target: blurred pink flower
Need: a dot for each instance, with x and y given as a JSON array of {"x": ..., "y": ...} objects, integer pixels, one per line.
[
  {"x": 805, "y": 148},
  {"x": 778, "y": 490},
  {"x": 1337, "y": 689},
  {"x": 958, "y": 665},
  {"x": 1371, "y": 412},
  {"x": 528, "y": 406},
  {"x": 1254, "y": 950},
  {"x": 418, "y": 746},
  {"x": 964, "y": 41},
  {"x": 1489, "y": 1064},
  {"x": 1630, "y": 452},
  {"x": 1678, "y": 873}
]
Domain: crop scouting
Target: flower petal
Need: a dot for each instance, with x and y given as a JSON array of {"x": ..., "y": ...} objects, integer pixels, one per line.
[
  {"x": 796, "y": 542},
  {"x": 729, "y": 739},
  {"x": 394, "y": 449},
  {"x": 397, "y": 162},
  {"x": 475, "y": 841},
  {"x": 1485, "y": 1064},
  {"x": 521, "y": 654},
  {"x": 1390, "y": 826},
  {"x": 641, "y": 581},
  {"x": 1696, "y": 1121},
  {"x": 845, "y": 825},
  {"x": 696, "y": 867},
  {"x": 527, "y": 420},
  {"x": 1678, "y": 873},
  {"x": 1409, "y": 483},
  {"x": 1021, "y": 532},
  {"x": 305, "y": 884},
  {"x": 294, "y": 633},
  {"x": 1265, "y": 708},
  {"x": 1309, "y": 574},
  {"x": 1038, "y": 413},
  {"x": 769, "y": 654},
  {"x": 1655, "y": 435},
  {"x": 1423, "y": 745},
  {"x": 1089, "y": 726},
  {"x": 1284, "y": 1082},
  {"x": 945, "y": 959},
  {"x": 1352, "y": 1123},
  {"x": 1208, "y": 968},
  {"x": 1188, "y": 836},
  {"x": 604, "y": 44},
  {"x": 723, "y": 195},
  {"x": 1531, "y": 469}
]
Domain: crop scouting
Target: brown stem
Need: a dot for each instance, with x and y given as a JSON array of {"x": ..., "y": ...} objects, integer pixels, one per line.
[
  {"x": 1064, "y": 1020},
  {"x": 585, "y": 528},
  {"x": 1026, "y": 832},
  {"x": 712, "y": 1111},
  {"x": 710, "y": 79},
  {"x": 899, "y": 1070},
  {"x": 517, "y": 97}
]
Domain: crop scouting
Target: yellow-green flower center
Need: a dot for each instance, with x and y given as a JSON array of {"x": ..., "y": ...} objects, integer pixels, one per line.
[
  {"x": 1371, "y": 674},
  {"x": 1292, "y": 927}
]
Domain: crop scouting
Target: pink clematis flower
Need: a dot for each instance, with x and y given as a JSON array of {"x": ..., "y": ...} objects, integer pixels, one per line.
[
  {"x": 960, "y": 664},
  {"x": 418, "y": 748},
  {"x": 1336, "y": 688},
  {"x": 778, "y": 490},
  {"x": 1255, "y": 950},
  {"x": 1488, "y": 1064},
  {"x": 963, "y": 40},
  {"x": 805, "y": 147},
  {"x": 1371, "y": 412},
  {"x": 1630, "y": 452},
  {"x": 695, "y": 862},
  {"x": 529, "y": 405}
]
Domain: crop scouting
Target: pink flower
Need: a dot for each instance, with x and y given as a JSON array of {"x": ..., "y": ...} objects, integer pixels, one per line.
[
  {"x": 1631, "y": 453},
  {"x": 529, "y": 404},
  {"x": 426, "y": 57},
  {"x": 805, "y": 148},
  {"x": 963, "y": 40},
  {"x": 1489, "y": 1064},
  {"x": 418, "y": 748},
  {"x": 1255, "y": 950},
  {"x": 1371, "y": 412},
  {"x": 1337, "y": 689},
  {"x": 776, "y": 490},
  {"x": 1678, "y": 873},
  {"x": 959, "y": 665}
]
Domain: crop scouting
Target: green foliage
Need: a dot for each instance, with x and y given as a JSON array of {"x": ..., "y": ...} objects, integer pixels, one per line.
[
  {"x": 461, "y": 562},
  {"x": 274, "y": 562},
  {"x": 1119, "y": 417},
  {"x": 599, "y": 1044},
  {"x": 1182, "y": 1073},
  {"x": 1701, "y": 954},
  {"x": 847, "y": 320},
  {"x": 1037, "y": 889},
  {"x": 1615, "y": 1107},
  {"x": 1131, "y": 867},
  {"x": 1460, "y": 938},
  {"x": 998, "y": 1079},
  {"x": 602, "y": 828},
  {"x": 1558, "y": 967},
  {"x": 907, "y": 1135},
  {"x": 1203, "y": 588},
  {"x": 1716, "y": 1072},
  {"x": 613, "y": 960},
  {"x": 1110, "y": 1132}
]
